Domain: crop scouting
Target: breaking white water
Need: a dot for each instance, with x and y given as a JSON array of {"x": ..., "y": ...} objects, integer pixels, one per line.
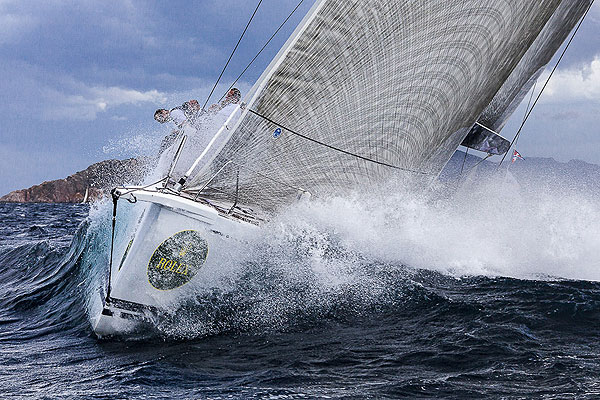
[{"x": 492, "y": 228}]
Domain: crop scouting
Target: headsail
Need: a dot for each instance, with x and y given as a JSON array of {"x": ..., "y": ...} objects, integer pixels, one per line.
[{"x": 366, "y": 89}]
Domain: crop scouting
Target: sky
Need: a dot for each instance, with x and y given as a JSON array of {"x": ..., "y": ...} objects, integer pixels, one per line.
[{"x": 81, "y": 79}]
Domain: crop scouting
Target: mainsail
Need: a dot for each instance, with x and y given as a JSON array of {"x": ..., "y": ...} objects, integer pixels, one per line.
[{"x": 369, "y": 89}]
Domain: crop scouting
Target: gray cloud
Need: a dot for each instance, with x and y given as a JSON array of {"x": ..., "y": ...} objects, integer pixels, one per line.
[
  {"x": 79, "y": 75},
  {"x": 92, "y": 100},
  {"x": 577, "y": 83},
  {"x": 562, "y": 115}
]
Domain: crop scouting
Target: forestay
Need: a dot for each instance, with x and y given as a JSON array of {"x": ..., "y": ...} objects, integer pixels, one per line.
[{"x": 376, "y": 89}]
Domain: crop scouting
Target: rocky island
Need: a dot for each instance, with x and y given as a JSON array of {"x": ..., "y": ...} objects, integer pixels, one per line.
[{"x": 97, "y": 179}]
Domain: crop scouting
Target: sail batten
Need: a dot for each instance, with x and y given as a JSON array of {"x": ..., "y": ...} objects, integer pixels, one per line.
[{"x": 374, "y": 84}]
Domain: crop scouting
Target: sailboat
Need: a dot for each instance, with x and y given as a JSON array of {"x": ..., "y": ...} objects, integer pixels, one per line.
[
  {"x": 85, "y": 196},
  {"x": 363, "y": 91}
]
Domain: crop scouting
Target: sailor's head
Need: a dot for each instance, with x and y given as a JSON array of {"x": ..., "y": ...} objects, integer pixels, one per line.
[
  {"x": 233, "y": 96},
  {"x": 192, "y": 105},
  {"x": 161, "y": 115}
]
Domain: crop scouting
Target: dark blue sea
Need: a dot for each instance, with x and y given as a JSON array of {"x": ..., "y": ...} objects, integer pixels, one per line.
[{"x": 446, "y": 304}]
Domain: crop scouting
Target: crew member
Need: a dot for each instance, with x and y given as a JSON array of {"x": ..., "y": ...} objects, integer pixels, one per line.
[
  {"x": 175, "y": 115},
  {"x": 233, "y": 96}
]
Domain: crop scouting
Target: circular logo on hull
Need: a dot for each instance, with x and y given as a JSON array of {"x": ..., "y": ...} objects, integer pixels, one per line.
[{"x": 177, "y": 259}]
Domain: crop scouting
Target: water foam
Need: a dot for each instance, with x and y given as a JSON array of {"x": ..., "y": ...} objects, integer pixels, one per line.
[
  {"x": 351, "y": 256},
  {"x": 492, "y": 227}
]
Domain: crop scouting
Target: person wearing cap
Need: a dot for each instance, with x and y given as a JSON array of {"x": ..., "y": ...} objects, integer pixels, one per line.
[
  {"x": 233, "y": 96},
  {"x": 191, "y": 109},
  {"x": 175, "y": 115},
  {"x": 161, "y": 115}
]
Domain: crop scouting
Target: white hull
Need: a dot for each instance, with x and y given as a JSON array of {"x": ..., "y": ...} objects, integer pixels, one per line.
[{"x": 175, "y": 249}]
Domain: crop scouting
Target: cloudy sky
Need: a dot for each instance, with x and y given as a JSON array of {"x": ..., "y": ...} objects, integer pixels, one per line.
[{"x": 81, "y": 79}]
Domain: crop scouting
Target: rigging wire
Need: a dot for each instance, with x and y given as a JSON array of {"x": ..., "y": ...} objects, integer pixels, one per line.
[
  {"x": 516, "y": 138},
  {"x": 261, "y": 50},
  {"x": 526, "y": 110},
  {"x": 463, "y": 163},
  {"x": 480, "y": 161},
  {"x": 530, "y": 98},
  {"x": 476, "y": 165},
  {"x": 232, "y": 53},
  {"x": 335, "y": 148}
]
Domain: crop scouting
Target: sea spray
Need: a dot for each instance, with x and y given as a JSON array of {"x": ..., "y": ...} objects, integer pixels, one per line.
[
  {"x": 490, "y": 227},
  {"x": 349, "y": 257}
]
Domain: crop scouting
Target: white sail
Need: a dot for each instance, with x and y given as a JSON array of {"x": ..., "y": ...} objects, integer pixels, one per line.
[{"x": 374, "y": 88}]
